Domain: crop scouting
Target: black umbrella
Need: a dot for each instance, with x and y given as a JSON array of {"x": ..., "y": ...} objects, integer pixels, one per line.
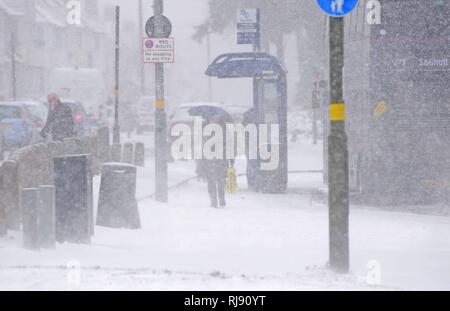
[{"x": 207, "y": 112}]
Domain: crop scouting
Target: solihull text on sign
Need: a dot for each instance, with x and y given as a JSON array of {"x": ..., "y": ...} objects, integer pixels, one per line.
[{"x": 159, "y": 50}]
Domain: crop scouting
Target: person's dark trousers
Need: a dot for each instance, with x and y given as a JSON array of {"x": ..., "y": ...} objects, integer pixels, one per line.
[
  {"x": 221, "y": 191},
  {"x": 216, "y": 189}
]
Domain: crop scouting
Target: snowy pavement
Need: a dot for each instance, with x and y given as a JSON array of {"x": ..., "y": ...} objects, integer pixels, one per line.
[{"x": 258, "y": 242}]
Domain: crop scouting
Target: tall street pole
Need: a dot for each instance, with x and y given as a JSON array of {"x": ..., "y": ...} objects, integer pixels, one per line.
[
  {"x": 141, "y": 27},
  {"x": 208, "y": 55},
  {"x": 258, "y": 96},
  {"x": 324, "y": 102},
  {"x": 161, "y": 148},
  {"x": 338, "y": 193},
  {"x": 315, "y": 108},
  {"x": 13, "y": 67},
  {"x": 116, "y": 129}
]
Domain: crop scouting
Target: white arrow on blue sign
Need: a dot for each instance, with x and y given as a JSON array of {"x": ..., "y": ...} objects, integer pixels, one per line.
[{"x": 337, "y": 8}]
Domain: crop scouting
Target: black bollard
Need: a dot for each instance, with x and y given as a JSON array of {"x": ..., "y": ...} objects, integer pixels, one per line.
[
  {"x": 11, "y": 198},
  {"x": 127, "y": 153},
  {"x": 103, "y": 149},
  {"x": 72, "y": 215},
  {"x": 30, "y": 228},
  {"x": 117, "y": 205},
  {"x": 3, "y": 223},
  {"x": 139, "y": 154},
  {"x": 90, "y": 202},
  {"x": 2, "y": 151},
  {"x": 116, "y": 152},
  {"x": 46, "y": 213},
  {"x": 94, "y": 152}
]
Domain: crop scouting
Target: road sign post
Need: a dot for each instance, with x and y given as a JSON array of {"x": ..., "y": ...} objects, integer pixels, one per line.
[
  {"x": 338, "y": 188},
  {"x": 249, "y": 32},
  {"x": 315, "y": 108},
  {"x": 141, "y": 26},
  {"x": 160, "y": 113},
  {"x": 338, "y": 178},
  {"x": 13, "y": 67},
  {"x": 116, "y": 128},
  {"x": 324, "y": 102}
]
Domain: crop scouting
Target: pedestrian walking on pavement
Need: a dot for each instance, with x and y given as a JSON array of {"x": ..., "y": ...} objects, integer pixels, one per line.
[{"x": 214, "y": 171}]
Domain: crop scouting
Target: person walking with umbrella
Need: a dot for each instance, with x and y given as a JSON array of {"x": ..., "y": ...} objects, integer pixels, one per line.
[{"x": 214, "y": 171}]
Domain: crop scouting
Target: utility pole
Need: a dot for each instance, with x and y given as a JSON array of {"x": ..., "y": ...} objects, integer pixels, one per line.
[
  {"x": 324, "y": 102},
  {"x": 258, "y": 97},
  {"x": 208, "y": 55},
  {"x": 160, "y": 115},
  {"x": 257, "y": 44},
  {"x": 338, "y": 199},
  {"x": 13, "y": 67},
  {"x": 141, "y": 27},
  {"x": 116, "y": 129},
  {"x": 315, "y": 107}
]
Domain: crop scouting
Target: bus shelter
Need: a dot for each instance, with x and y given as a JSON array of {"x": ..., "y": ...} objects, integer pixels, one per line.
[{"x": 270, "y": 104}]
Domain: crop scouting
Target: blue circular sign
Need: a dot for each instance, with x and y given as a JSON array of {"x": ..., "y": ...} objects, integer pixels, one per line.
[{"x": 337, "y": 8}]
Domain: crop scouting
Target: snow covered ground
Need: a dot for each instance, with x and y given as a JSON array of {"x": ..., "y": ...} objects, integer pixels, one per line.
[{"x": 258, "y": 242}]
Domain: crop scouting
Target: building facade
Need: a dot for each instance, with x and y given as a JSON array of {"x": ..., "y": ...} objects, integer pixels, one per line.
[{"x": 43, "y": 39}]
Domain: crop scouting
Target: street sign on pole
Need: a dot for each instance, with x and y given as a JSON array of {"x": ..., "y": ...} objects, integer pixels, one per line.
[
  {"x": 338, "y": 173},
  {"x": 338, "y": 8},
  {"x": 150, "y": 28},
  {"x": 158, "y": 50},
  {"x": 161, "y": 146},
  {"x": 248, "y": 26}
]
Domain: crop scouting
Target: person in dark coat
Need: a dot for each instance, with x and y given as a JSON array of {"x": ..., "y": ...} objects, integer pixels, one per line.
[
  {"x": 250, "y": 117},
  {"x": 59, "y": 121},
  {"x": 214, "y": 171}
]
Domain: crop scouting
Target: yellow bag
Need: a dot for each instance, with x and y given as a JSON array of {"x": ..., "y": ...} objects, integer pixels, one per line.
[{"x": 232, "y": 186}]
